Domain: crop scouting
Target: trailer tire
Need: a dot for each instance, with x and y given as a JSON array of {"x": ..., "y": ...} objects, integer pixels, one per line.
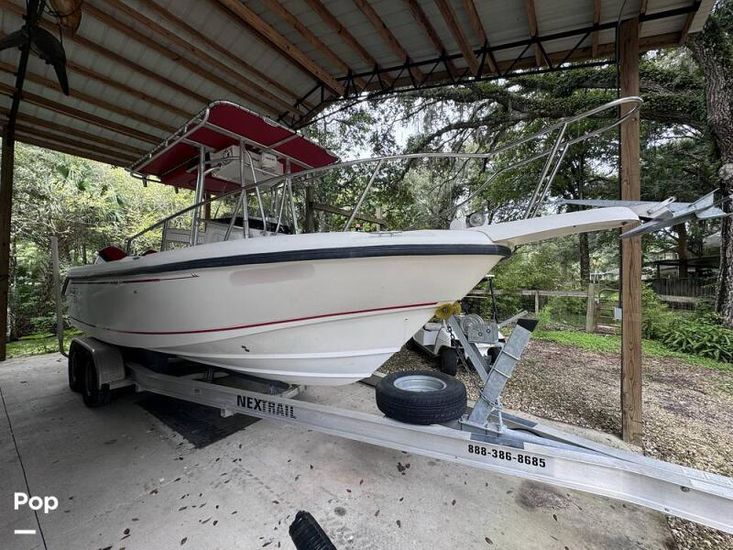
[
  {"x": 421, "y": 397},
  {"x": 92, "y": 395},
  {"x": 448, "y": 361},
  {"x": 76, "y": 383},
  {"x": 307, "y": 534}
]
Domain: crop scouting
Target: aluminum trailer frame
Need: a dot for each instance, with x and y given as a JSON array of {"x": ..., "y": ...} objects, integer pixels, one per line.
[{"x": 507, "y": 444}]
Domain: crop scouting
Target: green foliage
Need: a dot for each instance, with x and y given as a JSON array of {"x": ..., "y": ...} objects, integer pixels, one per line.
[
  {"x": 612, "y": 344},
  {"x": 87, "y": 206},
  {"x": 700, "y": 333},
  {"x": 38, "y": 344}
]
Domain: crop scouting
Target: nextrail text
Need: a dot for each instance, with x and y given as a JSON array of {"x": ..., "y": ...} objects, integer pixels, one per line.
[{"x": 265, "y": 406}]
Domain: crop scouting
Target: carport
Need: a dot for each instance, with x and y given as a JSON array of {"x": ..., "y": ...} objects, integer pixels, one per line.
[{"x": 139, "y": 69}]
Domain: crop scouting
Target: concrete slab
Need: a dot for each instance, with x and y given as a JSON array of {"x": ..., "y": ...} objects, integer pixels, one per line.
[{"x": 124, "y": 479}]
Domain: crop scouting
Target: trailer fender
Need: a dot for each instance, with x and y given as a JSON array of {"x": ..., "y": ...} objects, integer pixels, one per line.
[
  {"x": 442, "y": 340},
  {"x": 107, "y": 359}
]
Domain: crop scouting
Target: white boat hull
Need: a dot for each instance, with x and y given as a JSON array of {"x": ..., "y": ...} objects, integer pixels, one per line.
[
  {"x": 321, "y": 308},
  {"x": 326, "y": 321}
]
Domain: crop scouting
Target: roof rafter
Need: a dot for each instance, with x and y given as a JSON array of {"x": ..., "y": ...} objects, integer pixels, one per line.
[
  {"x": 93, "y": 138},
  {"x": 344, "y": 33},
  {"x": 48, "y": 134},
  {"x": 422, "y": 19},
  {"x": 40, "y": 101},
  {"x": 114, "y": 56},
  {"x": 688, "y": 22},
  {"x": 596, "y": 22},
  {"x": 286, "y": 48},
  {"x": 450, "y": 18},
  {"x": 276, "y": 7},
  {"x": 534, "y": 30},
  {"x": 92, "y": 100},
  {"x": 273, "y": 106},
  {"x": 387, "y": 35},
  {"x": 64, "y": 147},
  {"x": 135, "y": 92},
  {"x": 213, "y": 44},
  {"x": 475, "y": 19}
]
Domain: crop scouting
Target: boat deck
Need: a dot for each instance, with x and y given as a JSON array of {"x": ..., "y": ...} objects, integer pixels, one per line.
[{"x": 149, "y": 472}]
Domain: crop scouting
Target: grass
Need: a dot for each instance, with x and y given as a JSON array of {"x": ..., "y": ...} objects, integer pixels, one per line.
[
  {"x": 612, "y": 344},
  {"x": 38, "y": 344}
]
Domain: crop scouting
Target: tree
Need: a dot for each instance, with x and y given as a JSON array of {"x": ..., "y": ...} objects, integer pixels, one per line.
[
  {"x": 713, "y": 51},
  {"x": 687, "y": 111}
]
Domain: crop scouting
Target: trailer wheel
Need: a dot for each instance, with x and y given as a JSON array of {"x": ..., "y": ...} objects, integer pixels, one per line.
[
  {"x": 421, "y": 397},
  {"x": 76, "y": 382},
  {"x": 92, "y": 395},
  {"x": 448, "y": 361}
]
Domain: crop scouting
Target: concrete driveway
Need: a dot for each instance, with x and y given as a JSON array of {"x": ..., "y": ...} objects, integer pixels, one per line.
[{"x": 152, "y": 473}]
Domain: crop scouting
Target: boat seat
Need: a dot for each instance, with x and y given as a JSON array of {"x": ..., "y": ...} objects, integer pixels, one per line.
[{"x": 111, "y": 254}]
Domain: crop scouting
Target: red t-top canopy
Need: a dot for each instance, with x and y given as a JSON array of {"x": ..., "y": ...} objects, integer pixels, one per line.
[{"x": 217, "y": 127}]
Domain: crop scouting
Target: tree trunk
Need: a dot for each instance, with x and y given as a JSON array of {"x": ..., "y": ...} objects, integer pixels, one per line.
[
  {"x": 584, "y": 253},
  {"x": 711, "y": 49},
  {"x": 681, "y": 230}
]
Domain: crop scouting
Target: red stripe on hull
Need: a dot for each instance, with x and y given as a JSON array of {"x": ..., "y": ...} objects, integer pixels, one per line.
[{"x": 253, "y": 325}]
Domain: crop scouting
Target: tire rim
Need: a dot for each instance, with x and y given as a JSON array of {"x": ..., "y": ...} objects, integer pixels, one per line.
[{"x": 420, "y": 383}]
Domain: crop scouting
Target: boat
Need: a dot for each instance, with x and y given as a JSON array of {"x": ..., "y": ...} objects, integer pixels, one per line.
[{"x": 251, "y": 292}]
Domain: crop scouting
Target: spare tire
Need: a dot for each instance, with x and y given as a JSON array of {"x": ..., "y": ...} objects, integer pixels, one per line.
[{"x": 421, "y": 397}]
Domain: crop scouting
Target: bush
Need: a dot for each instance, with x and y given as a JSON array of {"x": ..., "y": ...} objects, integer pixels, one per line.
[
  {"x": 703, "y": 336},
  {"x": 699, "y": 334}
]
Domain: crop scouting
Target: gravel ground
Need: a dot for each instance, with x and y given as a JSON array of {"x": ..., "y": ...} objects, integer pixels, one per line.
[{"x": 688, "y": 410}]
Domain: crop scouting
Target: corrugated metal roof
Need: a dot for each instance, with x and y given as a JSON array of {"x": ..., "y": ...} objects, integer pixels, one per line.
[{"x": 138, "y": 68}]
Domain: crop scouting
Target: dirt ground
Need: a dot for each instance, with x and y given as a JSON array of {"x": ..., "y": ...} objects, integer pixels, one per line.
[{"x": 688, "y": 410}]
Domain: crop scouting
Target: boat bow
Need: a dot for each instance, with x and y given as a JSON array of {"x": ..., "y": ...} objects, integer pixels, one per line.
[{"x": 519, "y": 232}]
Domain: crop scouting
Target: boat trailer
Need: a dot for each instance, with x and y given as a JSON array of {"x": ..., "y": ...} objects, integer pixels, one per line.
[{"x": 485, "y": 437}]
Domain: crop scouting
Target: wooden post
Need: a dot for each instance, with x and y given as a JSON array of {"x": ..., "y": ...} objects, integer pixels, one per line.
[
  {"x": 590, "y": 310},
  {"x": 6, "y": 197},
  {"x": 6, "y": 175},
  {"x": 631, "y": 417},
  {"x": 536, "y": 302}
]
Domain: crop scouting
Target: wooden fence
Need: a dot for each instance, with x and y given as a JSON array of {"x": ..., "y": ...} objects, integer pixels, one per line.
[{"x": 593, "y": 295}]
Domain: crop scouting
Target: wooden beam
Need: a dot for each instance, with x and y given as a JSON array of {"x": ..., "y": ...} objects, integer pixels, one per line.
[
  {"x": 534, "y": 30},
  {"x": 61, "y": 143},
  {"x": 688, "y": 23},
  {"x": 95, "y": 120},
  {"x": 422, "y": 19},
  {"x": 596, "y": 21},
  {"x": 242, "y": 90},
  {"x": 478, "y": 28},
  {"x": 344, "y": 33},
  {"x": 92, "y": 100},
  {"x": 276, "y": 7},
  {"x": 114, "y": 56},
  {"x": 631, "y": 377},
  {"x": 70, "y": 131},
  {"x": 135, "y": 92},
  {"x": 450, "y": 19},
  {"x": 33, "y": 140},
  {"x": 389, "y": 38},
  {"x": 291, "y": 52},
  {"x": 216, "y": 46}
]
